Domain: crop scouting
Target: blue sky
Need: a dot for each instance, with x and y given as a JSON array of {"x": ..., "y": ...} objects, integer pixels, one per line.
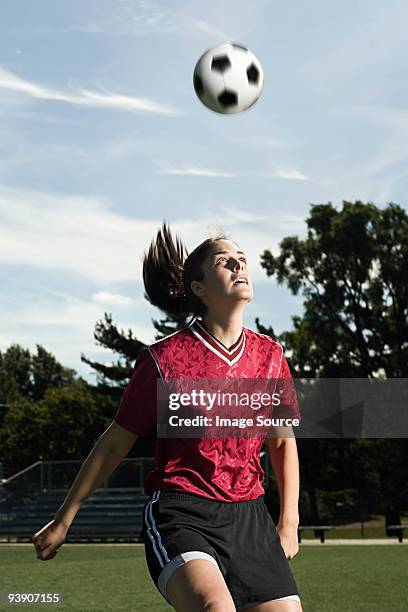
[{"x": 102, "y": 137}]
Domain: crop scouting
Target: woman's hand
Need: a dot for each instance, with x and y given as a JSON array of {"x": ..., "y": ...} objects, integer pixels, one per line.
[
  {"x": 289, "y": 539},
  {"x": 48, "y": 539}
]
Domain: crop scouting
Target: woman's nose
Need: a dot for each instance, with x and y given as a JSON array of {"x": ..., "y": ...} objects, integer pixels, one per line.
[{"x": 234, "y": 264}]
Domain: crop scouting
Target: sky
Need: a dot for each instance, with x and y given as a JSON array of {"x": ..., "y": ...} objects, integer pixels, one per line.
[{"x": 102, "y": 138}]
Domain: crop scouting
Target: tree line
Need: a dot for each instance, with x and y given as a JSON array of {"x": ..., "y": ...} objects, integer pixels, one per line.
[{"x": 351, "y": 271}]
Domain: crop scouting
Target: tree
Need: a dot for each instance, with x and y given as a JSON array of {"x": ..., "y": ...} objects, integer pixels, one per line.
[
  {"x": 48, "y": 373},
  {"x": 15, "y": 374},
  {"x": 64, "y": 424},
  {"x": 113, "y": 378},
  {"x": 26, "y": 375},
  {"x": 351, "y": 270}
]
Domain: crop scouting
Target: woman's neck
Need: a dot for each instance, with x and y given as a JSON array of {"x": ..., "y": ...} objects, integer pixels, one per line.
[{"x": 226, "y": 328}]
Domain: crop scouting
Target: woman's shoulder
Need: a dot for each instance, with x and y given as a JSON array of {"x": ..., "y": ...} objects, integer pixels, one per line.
[
  {"x": 262, "y": 339},
  {"x": 173, "y": 342}
]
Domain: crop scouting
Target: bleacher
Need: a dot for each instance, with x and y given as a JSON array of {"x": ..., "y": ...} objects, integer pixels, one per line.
[
  {"x": 109, "y": 515},
  {"x": 113, "y": 513}
]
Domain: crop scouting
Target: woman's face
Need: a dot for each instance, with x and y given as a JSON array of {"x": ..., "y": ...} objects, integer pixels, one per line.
[{"x": 222, "y": 267}]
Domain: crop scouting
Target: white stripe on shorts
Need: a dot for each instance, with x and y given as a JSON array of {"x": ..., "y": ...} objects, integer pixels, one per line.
[{"x": 153, "y": 532}]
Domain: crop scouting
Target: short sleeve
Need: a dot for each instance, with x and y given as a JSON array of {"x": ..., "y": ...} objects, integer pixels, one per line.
[
  {"x": 289, "y": 406},
  {"x": 137, "y": 408}
]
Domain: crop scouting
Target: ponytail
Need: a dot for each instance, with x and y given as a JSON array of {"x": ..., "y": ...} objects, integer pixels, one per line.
[
  {"x": 163, "y": 267},
  {"x": 168, "y": 271}
]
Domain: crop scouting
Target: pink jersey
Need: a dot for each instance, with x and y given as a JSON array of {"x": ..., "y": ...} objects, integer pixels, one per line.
[{"x": 223, "y": 469}]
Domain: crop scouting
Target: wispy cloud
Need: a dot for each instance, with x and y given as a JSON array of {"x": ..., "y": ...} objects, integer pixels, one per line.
[
  {"x": 194, "y": 171},
  {"x": 104, "y": 297},
  {"x": 236, "y": 216},
  {"x": 83, "y": 97},
  {"x": 384, "y": 165},
  {"x": 135, "y": 17},
  {"x": 85, "y": 237},
  {"x": 286, "y": 173},
  {"x": 203, "y": 26},
  {"x": 78, "y": 234},
  {"x": 37, "y": 320},
  {"x": 253, "y": 231},
  {"x": 123, "y": 147},
  {"x": 394, "y": 117},
  {"x": 142, "y": 16},
  {"x": 87, "y": 28}
]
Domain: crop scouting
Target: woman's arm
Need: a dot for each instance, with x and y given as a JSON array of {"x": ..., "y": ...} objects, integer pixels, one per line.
[
  {"x": 285, "y": 463},
  {"x": 108, "y": 452}
]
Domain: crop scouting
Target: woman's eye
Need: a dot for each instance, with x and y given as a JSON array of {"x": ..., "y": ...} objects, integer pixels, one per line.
[{"x": 225, "y": 259}]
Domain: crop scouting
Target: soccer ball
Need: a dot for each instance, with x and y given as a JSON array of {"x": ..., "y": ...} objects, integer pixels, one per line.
[{"x": 228, "y": 78}]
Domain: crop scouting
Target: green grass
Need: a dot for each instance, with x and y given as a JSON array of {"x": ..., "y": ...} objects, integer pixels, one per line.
[{"x": 92, "y": 577}]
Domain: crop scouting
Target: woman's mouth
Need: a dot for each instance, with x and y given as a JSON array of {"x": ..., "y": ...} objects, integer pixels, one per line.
[{"x": 240, "y": 279}]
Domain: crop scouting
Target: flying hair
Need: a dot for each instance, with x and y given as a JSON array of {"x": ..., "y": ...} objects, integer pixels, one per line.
[{"x": 168, "y": 271}]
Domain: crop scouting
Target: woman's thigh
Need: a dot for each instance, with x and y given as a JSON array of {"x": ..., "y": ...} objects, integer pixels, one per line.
[{"x": 199, "y": 585}]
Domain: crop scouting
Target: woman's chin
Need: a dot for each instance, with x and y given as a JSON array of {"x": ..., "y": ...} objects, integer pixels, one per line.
[{"x": 244, "y": 294}]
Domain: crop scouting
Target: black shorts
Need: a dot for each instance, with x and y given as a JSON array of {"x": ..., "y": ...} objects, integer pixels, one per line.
[{"x": 239, "y": 537}]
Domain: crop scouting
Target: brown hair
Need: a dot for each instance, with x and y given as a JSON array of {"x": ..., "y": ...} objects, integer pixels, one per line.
[{"x": 168, "y": 271}]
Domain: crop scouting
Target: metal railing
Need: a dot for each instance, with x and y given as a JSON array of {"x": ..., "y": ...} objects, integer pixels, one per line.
[{"x": 57, "y": 476}]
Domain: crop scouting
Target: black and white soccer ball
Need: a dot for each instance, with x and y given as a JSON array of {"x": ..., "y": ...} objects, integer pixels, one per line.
[{"x": 228, "y": 78}]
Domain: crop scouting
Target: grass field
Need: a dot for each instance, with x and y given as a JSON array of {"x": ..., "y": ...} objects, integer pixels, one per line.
[{"x": 92, "y": 577}]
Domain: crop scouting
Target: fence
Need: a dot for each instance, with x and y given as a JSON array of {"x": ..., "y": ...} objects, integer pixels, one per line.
[{"x": 58, "y": 476}]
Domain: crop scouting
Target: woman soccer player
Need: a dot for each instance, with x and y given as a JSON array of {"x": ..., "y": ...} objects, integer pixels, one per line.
[{"x": 210, "y": 542}]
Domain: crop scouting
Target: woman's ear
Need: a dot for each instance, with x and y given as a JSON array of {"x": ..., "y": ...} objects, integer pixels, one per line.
[{"x": 196, "y": 288}]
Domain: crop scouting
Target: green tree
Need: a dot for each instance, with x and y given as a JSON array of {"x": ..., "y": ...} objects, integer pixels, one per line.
[
  {"x": 64, "y": 424},
  {"x": 26, "y": 375},
  {"x": 113, "y": 378},
  {"x": 48, "y": 373},
  {"x": 351, "y": 271},
  {"x": 15, "y": 374}
]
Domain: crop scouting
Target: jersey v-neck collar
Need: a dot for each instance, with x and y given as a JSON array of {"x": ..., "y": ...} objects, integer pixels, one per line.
[{"x": 230, "y": 355}]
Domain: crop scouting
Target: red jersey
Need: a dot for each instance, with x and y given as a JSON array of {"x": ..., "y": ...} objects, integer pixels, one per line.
[{"x": 223, "y": 469}]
